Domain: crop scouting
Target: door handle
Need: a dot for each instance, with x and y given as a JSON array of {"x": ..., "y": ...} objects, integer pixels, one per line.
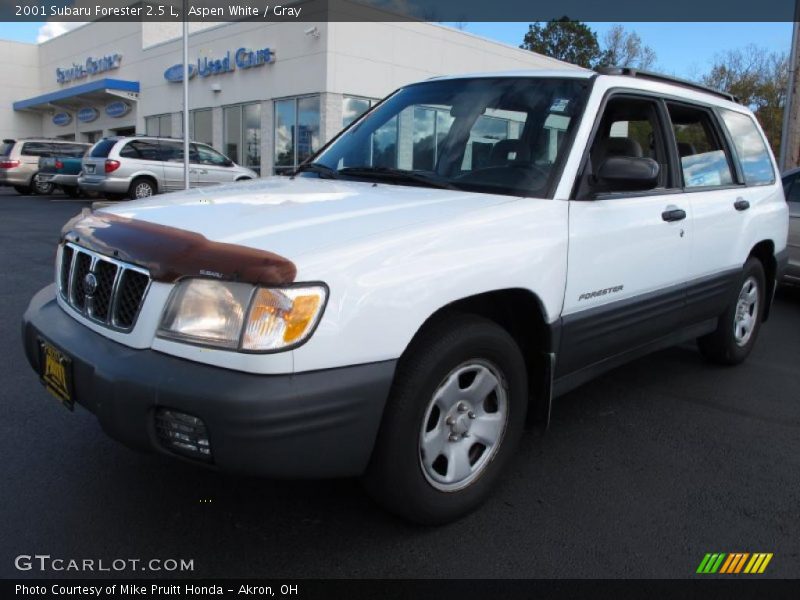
[
  {"x": 673, "y": 214},
  {"x": 741, "y": 204}
]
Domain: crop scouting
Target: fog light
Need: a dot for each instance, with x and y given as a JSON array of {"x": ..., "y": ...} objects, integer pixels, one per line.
[{"x": 183, "y": 434}]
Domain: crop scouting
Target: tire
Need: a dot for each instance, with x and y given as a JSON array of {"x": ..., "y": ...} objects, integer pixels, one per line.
[
  {"x": 739, "y": 325},
  {"x": 141, "y": 187},
  {"x": 41, "y": 188},
  {"x": 24, "y": 190},
  {"x": 456, "y": 353},
  {"x": 71, "y": 191}
]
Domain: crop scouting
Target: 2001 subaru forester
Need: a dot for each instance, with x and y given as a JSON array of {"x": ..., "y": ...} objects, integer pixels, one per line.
[{"x": 467, "y": 250}]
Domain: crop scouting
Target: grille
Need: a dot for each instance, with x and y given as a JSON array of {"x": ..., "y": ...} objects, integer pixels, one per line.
[{"x": 103, "y": 289}]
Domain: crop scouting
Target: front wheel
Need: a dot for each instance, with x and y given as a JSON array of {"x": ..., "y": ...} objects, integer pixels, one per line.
[
  {"x": 453, "y": 420},
  {"x": 739, "y": 325},
  {"x": 43, "y": 188}
]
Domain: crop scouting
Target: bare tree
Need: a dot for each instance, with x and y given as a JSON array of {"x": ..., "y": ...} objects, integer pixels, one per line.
[
  {"x": 625, "y": 49},
  {"x": 759, "y": 79}
]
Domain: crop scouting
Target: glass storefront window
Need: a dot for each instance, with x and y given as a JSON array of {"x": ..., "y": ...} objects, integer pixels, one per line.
[
  {"x": 297, "y": 131},
  {"x": 285, "y": 117},
  {"x": 201, "y": 126},
  {"x": 252, "y": 136},
  {"x": 158, "y": 125},
  {"x": 232, "y": 138},
  {"x": 352, "y": 108}
]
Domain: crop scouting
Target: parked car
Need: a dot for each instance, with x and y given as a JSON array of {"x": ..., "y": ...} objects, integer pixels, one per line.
[
  {"x": 62, "y": 170},
  {"x": 19, "y": 162},
  {"x": 791, "y": 187},
  {"x": 140, "y": 166},
  {"x": 405, "y": 304}
]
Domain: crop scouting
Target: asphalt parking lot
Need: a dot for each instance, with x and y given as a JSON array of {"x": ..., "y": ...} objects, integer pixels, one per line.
[{"x": 642, "y": 472}]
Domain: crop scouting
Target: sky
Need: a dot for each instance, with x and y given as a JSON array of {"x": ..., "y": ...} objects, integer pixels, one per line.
[{"x": 682, "y": 49}]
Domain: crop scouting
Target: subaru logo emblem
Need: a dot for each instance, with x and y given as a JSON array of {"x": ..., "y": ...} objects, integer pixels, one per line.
[{"x": 89, "y": 284}]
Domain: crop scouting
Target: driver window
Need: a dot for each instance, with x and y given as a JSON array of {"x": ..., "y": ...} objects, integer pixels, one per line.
[{"x": 629, "y": 128}]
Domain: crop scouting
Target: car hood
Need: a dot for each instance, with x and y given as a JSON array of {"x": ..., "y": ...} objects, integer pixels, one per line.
[{"x": 294, "y": 217}]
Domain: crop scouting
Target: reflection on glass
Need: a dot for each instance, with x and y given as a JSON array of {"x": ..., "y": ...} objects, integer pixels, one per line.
[
  {"x": 352, "y": 108},
  {"x": 232, "y": 115},
  {"x": 750, "y": 147},
  {"x": 285, "y": 117},
  {"x": 252, "y": 136},
  {"x": 307, "y": 127},
  {"x": 384, "y": 145},
  {"x": 424, "y": 137},
  {"x": 200, "y": 126}
]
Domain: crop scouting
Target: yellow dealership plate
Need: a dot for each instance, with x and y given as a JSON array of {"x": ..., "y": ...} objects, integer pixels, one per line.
[{"x": 56, "y": 373}]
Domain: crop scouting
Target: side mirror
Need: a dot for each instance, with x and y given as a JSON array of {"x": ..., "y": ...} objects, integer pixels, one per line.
[
  {"x": 628, "y": 173},
  {"x": 229, "y": 162}
]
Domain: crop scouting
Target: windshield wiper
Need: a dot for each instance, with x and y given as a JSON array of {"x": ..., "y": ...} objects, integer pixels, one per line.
[
  {"x": 393, "y": 174},
  {"x": 323, "y": 171}
]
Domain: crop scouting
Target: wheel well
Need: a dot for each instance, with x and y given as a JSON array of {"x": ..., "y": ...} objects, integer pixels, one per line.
[
  {"x": 521, "y": 313},
  {"x": 764, "y": 251},
  {"x": 244, "y": 179},
  {"x": 149, "y": 178}
]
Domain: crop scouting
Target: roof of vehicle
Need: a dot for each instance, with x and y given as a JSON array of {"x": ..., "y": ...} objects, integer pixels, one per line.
[
  {"x": 43, "y": 139},
  {"x": 139, "y": 136},
  {"x": 631, "y": 75}
]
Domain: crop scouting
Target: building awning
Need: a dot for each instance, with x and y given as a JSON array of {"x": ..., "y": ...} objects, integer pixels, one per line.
[{"x": 94, "y": 92}]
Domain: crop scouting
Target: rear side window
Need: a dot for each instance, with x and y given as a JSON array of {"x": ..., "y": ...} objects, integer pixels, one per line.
[
  {"x": 6, "y": 147},
  {"x": 750, "y": 146},
  {"x": 70, "y": 150},
  {"x": 102, "y": 148},
  {"x": 141, "y": 149},
  {"x": 37, "y": 149},
  {"x": 704, "y": 161},
  {"x": 172, "y": 152}
]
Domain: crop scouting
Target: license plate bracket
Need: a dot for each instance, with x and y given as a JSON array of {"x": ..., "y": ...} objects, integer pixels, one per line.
[{"x": 56, "y": 373}]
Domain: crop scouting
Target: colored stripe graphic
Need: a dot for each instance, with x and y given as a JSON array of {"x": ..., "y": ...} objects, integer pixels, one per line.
[{"x": 734, "y": 563}]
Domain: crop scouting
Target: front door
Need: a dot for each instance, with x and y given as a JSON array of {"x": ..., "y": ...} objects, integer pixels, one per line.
[{"x": 628, "y": 250}]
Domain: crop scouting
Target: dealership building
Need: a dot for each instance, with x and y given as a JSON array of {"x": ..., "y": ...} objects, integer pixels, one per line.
[{"x": 265, "y": 94}]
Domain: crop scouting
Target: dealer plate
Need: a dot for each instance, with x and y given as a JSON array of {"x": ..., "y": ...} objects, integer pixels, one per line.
[{"x": 56, "y": 373}]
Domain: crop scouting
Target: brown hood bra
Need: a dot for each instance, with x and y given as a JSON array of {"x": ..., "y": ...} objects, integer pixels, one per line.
[{"x": 169, "y": 253}]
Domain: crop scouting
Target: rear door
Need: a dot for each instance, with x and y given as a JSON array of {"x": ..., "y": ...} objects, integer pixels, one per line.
[
  {"x": 94, "y": 161},
  {"x": 628, "y": 250},
  {"x": 708, "y": 177},
  {"x": 142, "y": 156}
]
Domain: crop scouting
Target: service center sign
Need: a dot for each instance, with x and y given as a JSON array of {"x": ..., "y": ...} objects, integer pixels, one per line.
[
  {"x": 243, "y": 58},
  {"x": 92, "y": 66}
]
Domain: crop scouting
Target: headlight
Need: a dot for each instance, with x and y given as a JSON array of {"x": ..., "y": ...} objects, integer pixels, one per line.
[{"x": 239, "y": 316}]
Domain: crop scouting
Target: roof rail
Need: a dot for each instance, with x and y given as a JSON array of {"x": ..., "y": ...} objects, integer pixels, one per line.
[{"x": 632, "y": 72}]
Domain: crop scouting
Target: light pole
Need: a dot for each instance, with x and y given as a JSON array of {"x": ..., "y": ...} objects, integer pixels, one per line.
[{"x": 185, "y": 98}]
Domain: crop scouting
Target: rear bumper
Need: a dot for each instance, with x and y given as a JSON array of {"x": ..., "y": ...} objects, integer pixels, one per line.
[
  {"x": 103, "y": 185},
  {"x": 316, "y": 424},
  {"x": 16, "y": 176},
  {"x": 59, "y": 179}
]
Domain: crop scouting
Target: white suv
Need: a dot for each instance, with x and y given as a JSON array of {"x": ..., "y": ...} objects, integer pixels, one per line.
[{"x": 471, "y": 248}]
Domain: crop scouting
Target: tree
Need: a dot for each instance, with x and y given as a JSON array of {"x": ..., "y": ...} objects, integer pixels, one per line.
[
  {"x": 625, "y": 49},
  {"x": 759, "y": 79},
  {"x": 570, "y": 41}
]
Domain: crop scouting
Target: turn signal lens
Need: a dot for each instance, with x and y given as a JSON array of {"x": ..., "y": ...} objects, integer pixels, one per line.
[
  {"x": 111, "y": 166},
  {"x": 284, "y": 317}
]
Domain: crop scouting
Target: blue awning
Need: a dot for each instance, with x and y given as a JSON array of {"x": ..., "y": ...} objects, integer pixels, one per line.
[{"x": 100, "y": 90}]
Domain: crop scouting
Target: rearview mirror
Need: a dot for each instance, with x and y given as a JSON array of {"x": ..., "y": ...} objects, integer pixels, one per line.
[{"x": 628, "y": 173}]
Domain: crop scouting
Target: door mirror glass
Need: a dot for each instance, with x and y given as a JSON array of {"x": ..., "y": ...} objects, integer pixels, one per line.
[{"x": 628, "y": 173}]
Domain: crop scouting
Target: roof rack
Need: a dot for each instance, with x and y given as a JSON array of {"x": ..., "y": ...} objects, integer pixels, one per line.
[{"x": 631, "y": 72}]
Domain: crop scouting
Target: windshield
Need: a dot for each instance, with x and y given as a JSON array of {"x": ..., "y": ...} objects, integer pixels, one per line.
[{"x": 495, "y": 135}]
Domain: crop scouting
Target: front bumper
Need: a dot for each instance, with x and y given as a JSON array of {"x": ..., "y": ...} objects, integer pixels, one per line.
[
  {"x": 307, "y": 425},
  {"x": 103, "y": 185}
]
